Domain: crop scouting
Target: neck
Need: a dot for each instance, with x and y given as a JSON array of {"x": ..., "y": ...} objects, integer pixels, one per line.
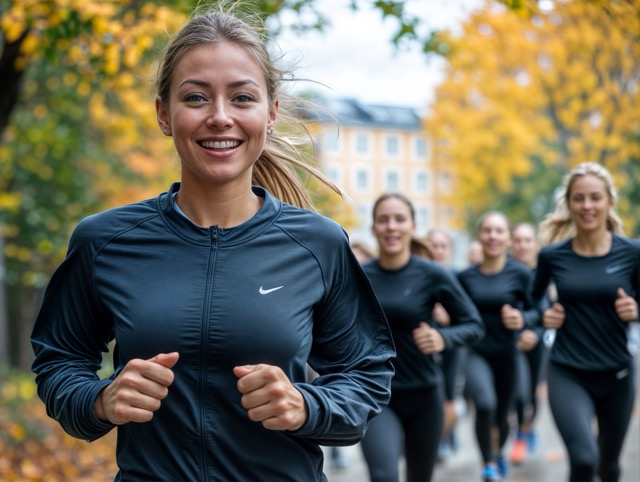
[
  {"x": 394, "y": 261},
  {"x": 493, "y": 265},
  {"x": 596, "y": 243},
  {"x": 210, "y": 207}
]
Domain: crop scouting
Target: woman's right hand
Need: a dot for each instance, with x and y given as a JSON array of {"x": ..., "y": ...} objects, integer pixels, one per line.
[
  {"x": 553, "y": 318},
  {"x": 137, "y": 391},
  {"x": 440, "y": 315}
]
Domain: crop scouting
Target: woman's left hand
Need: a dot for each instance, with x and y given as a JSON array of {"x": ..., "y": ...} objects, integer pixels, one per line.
[
  {"x": 427, "y": 339},
  {"x": 527, "y": 340},
  {"x": 511, "y": 317},
  {"x": 270, "y": 397},
  {"x": 626, "y": 306}
]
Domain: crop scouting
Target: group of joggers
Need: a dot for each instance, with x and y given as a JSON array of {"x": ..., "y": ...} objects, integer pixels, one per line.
[{"x": 491, "y": 332}]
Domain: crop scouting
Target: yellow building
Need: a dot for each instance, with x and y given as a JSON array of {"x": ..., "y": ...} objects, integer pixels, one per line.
[{"x": 371, "y": 149}]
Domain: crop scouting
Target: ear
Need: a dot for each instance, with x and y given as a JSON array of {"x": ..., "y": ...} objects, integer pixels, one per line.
[
  {"x": 273, "y": 114},
  {"x": 163, "y": 117}
]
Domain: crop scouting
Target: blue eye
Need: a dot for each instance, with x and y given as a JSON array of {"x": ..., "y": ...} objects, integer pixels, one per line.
[
  {"x": 195, "y": 98},
  {"x": 243, "y": 98}
]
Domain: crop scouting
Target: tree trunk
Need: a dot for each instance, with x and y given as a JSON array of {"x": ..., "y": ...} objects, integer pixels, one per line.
[{"x": 10, "y": 80}]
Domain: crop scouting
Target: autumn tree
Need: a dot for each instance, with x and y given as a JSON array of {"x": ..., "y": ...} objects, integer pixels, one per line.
[{"x": 533, "y": 91}]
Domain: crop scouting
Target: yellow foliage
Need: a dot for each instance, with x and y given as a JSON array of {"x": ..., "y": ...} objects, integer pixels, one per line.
[
  {"x": 35, "y": 448},
  {"x": 9, "y": 201},
  {"x": 556, "y": 85}
]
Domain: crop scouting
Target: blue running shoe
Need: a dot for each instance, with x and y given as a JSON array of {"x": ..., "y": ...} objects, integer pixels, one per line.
[
  {"x": 490, "y": 474},
  {"x": 502, "y": 465}
]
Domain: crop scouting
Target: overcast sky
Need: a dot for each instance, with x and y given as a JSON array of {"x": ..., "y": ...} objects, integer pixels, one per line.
[{"x": 355, "y": 58}]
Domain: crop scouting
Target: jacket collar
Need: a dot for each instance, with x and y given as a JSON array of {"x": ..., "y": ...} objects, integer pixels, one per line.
[{"x": 183, "y": 227}]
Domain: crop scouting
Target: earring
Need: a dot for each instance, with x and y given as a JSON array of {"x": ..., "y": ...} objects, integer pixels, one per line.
[{"x": 270, "y": 131}]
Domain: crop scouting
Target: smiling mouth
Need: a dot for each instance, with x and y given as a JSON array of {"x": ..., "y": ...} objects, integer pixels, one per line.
[{"x": 219, "y": 144}]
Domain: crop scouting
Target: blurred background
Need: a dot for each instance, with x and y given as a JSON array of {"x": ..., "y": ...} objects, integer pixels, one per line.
[{"x": 464, "y": 106}]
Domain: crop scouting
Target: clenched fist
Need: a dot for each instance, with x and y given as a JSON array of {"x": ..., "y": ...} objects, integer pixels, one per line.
[
  {"x": 427, "y": 339},
  {"x": 269, "y": 397},
  {"x": 137, "y": 391}
]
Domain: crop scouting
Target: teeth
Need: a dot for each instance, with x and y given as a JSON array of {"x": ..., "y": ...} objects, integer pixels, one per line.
[{"x": 220, "y": 144}]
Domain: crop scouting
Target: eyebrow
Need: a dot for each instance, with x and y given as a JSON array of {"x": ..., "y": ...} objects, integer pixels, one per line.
[{"x": 232, "y": 85}]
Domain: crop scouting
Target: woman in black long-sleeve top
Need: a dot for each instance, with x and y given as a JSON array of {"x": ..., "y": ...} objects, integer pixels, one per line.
[
  {"x": 408, "y": 286},
  {"x": 500, "y": 289},
  {"x": 597, "y": 276}
]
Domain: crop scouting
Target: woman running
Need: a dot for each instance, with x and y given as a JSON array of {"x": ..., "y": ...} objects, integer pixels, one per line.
[
  {"x": 531, "y": 354},
  {"x": 596, "y": 272},
  {"x": 408, "y": 286},
  {"x": 500, "y": 289},
  {"x": 440, "y": 244}
]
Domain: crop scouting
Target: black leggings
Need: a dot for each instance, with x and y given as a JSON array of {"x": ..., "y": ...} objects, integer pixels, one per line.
[
  {"x": 530, "y": 365},
  {"x": 491, "y": 385},
  {"x": 575, "y": 397},
  {"x": 452, "y": 361},
  {"x": 414, "y": 417}
]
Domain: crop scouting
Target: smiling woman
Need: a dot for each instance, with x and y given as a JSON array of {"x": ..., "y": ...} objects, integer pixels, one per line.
[
  {"x": 408, "y": 287},
  {"x": 218, "y": 294},
  {"x": 596, "y": 273}
]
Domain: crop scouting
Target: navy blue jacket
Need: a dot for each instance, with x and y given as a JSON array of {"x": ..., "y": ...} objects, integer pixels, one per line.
[
  {"x": 282, "y": 288},
  {"x": 407, "y": 296},
  {"x": 592, "y": 338},
  {"x": 489, "y": 292}
]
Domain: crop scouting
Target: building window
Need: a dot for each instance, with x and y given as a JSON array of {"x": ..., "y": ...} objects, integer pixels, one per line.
[
  {"x": 421, "y": 182},
  {"x": 362, "y": 180},
  {"x": 331, "y": 142},
  {"x": 362, "y": 143},
  {"x": 420, "y": 146},
  {"x": 392, "y": 146},
  {"x": 333, "y": 172},
  {"x": 392, "y": 181},
  {"x": 422, "y": 219}
]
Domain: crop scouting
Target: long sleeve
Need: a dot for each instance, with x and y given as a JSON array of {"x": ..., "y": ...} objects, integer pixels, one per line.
[
  {"x": 68, "y": 339},
  {"x": 352, "y": 353},
  {"x": 466, "y": 325}
]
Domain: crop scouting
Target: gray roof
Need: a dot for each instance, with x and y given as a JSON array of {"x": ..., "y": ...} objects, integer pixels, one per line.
[{"x": 350, "y": 112}]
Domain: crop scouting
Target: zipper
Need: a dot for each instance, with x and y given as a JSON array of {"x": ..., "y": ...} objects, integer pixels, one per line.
[{"x": 206, "y": 315}]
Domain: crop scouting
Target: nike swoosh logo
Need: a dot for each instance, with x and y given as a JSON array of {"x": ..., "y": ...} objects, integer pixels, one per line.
[
  {"x": 613, "y": 269},
  {"x": 265, "y": 292},
  {"x": 622, "y": 373}
]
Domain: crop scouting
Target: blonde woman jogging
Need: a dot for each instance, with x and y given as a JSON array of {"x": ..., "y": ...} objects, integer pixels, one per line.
[{"x": 596, "y": 272}]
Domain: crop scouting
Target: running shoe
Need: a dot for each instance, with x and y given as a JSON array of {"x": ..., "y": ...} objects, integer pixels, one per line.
[
  {"x": 502, "y": 465},
  {"x": 519, "y": 449},
  {"x": 490, "y": 474}
]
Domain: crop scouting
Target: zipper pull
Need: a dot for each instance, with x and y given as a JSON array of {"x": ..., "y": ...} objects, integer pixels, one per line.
[{"x": 214, "y": 236}]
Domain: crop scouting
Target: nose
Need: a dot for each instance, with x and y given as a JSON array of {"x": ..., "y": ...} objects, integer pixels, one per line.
[{"x": 219, "y": 116}]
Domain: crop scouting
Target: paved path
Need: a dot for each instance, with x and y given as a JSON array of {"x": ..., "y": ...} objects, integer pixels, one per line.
[{"x": 547, "y": 464}]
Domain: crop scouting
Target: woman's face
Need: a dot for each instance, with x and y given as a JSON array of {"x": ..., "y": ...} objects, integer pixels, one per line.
[
  {"x": 218, "y": 114},
  {"x": 494, "y": 236},
  {"x": 393, "y": 226},
  {"x": 440, "y": 247},
  {"x": 589, "y": 203},
  {"x": 524, "y": 246}
]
